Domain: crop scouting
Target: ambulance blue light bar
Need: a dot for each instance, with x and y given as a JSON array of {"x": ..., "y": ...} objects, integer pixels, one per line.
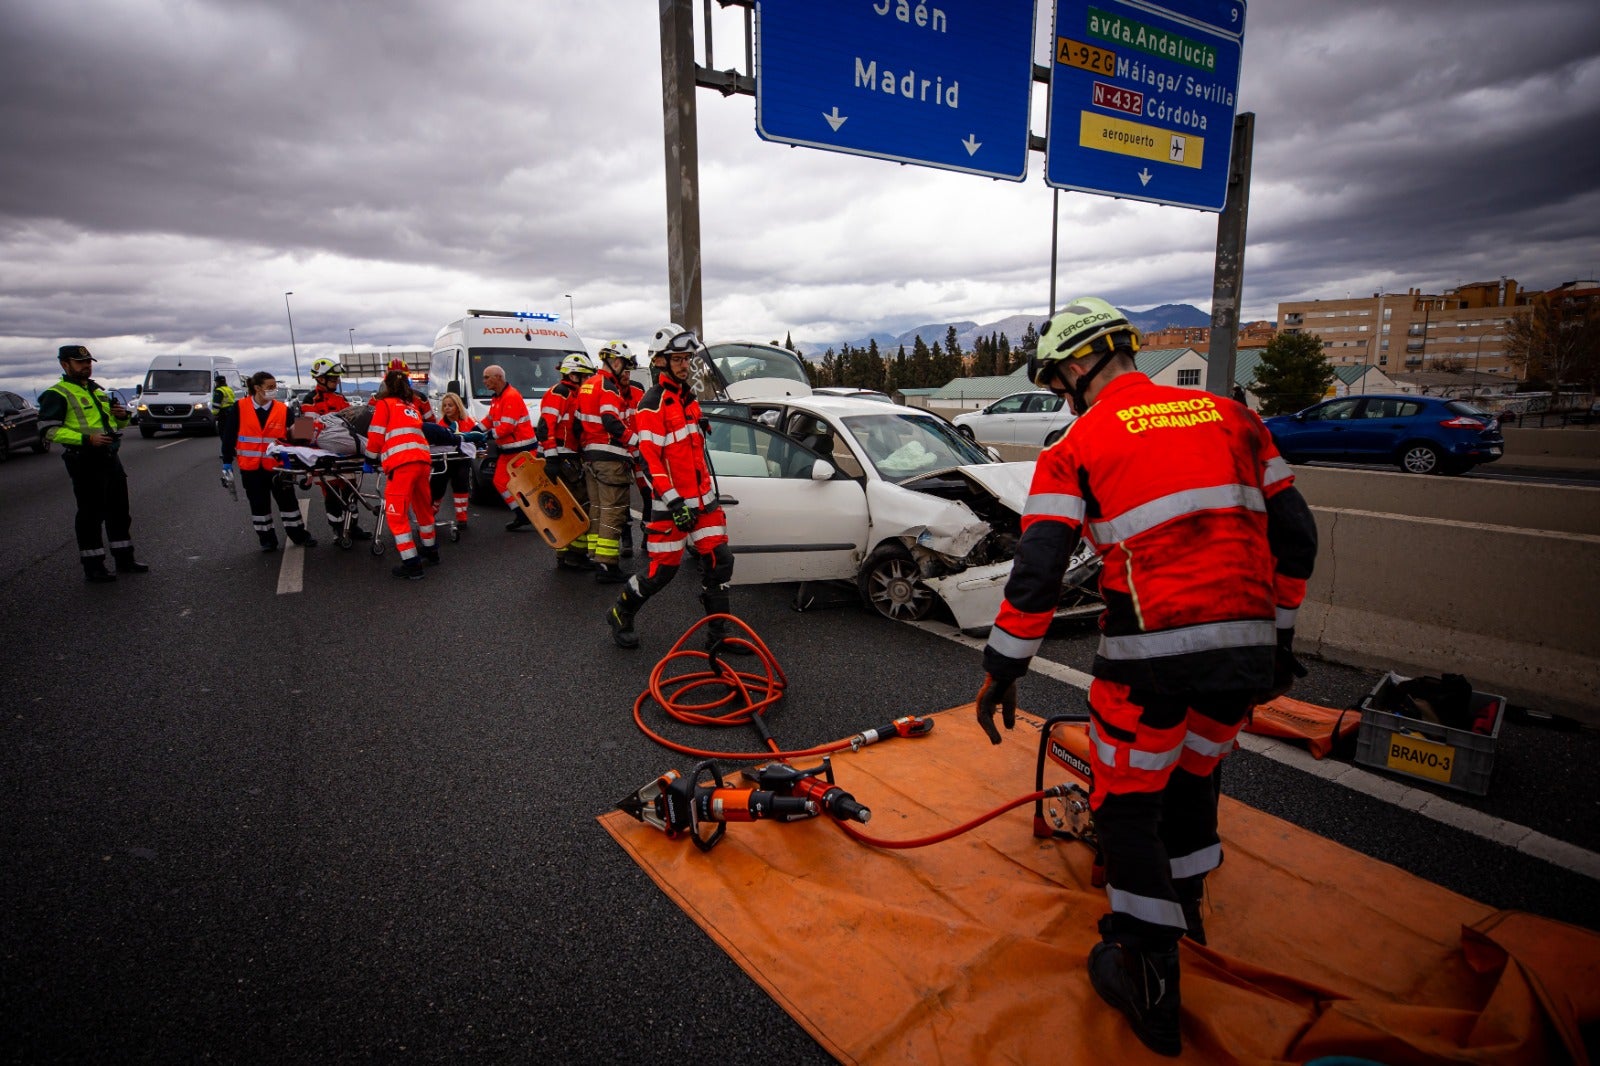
[{"x": 541, "y": 316}]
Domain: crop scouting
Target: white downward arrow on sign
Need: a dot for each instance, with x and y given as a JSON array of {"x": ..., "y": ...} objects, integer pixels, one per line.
[
  {"x": 1144, "y": 177},
  {"x": 836, "y": 120},
  {"x": 972, "y": 143}
]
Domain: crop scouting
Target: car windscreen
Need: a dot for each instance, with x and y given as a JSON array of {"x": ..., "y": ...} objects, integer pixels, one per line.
[
  {"x": 903, "y": 445},
  {"x": 192, "y": 382},
  {"x": 530, "y": 370},
  {"x": 741, "y": 362}
]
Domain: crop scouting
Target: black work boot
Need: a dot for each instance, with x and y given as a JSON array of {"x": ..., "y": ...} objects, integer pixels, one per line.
[
  {"x": 431, "y": 556},
  {"x": 301, "y": 537},
  {"x": 1191, "y": 893},
  {"x": 519, "y": 520},
  {"x": 95, "y": 572},
  {"x": 126, "y": 564},
  {"x": 410, "y": 569},
  {"x": 269, "y": 542},
  {"x": 1143, "y": 985},
  {"x": 717, "y": 632},
  {"x": 609, "y": 574},
  {"x": 573, "y": 559},
  {"x": 621, "y": 623}
]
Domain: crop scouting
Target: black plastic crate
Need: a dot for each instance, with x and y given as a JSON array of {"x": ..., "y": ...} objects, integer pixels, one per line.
[{"x": 1426, "y": 750}]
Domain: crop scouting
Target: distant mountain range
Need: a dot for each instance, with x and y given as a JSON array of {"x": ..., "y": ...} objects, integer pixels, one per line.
[{"x": 1013, "y": 326}]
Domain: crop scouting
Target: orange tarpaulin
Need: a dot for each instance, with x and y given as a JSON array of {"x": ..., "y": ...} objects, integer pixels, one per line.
[
  {"x": 1310, "y": 722},
  {"x": 973, "y": 950}
]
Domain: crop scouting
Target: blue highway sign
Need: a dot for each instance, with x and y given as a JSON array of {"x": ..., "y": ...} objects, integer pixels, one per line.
[
  {"x": 943, "y": 83},
  {"x": 1142, "y": 99}
]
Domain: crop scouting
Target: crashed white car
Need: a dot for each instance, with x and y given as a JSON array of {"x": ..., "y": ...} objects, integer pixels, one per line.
[{"x": 822, "y": 488}]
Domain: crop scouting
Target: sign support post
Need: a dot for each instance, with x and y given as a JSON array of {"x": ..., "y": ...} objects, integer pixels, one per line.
[
  {"x": 1228, "y": 278},
  {"x": 683, "y": 163}
]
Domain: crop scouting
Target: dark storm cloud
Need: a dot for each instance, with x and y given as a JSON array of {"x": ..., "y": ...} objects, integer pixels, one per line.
[{"x": 173, "y": 169}]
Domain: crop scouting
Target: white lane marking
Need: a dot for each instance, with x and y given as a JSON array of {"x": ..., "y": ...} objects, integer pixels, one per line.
[
  {"x": 173, "y": 444},
  {"x": 292, "y": 571},
  {"x": 1418, "y": 801}
]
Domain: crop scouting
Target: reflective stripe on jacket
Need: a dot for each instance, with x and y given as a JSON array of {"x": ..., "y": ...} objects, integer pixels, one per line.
[
  {"x": 602, "y": 433},
  {"x": 557, "y": 428},
  {"x": 69, "y": 413},
  {"x": 671, "y": 446},
  {"x": 1176, "y": 488},
  {"x": 254, "y": 438},
  {"x": 395, "y": 437},
  {"x": 508, "y": 422}
]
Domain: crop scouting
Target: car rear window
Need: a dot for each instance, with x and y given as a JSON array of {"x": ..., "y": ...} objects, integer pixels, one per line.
[{"x": 1461, "y": 407}]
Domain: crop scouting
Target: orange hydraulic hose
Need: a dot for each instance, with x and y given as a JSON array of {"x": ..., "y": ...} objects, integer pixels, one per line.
[{"x": 756, "y": 692}]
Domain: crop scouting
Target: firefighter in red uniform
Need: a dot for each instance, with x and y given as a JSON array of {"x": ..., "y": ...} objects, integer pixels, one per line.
[
  {"x": 557, "y": 433},
  {"x": 247, "y": 430},
  {"x": 396, "y": 441},
  {"x": 684, "y": 503},
  {"x": 511, "y": 430},
  {"x": 606, "y": 459},
  {"x": 1207, "y": 546},
  {"x": 326, "y": 399}
]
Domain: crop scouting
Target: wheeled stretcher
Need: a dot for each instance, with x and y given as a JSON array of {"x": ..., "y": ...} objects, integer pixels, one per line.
[{"x": 347, "y": 476}]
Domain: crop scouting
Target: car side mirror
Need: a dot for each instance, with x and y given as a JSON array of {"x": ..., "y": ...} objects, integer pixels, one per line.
[
  {"x": 455, "y": 387},
  {"x": 993, "y": 453},
  {"x": 822, "y": 470}
]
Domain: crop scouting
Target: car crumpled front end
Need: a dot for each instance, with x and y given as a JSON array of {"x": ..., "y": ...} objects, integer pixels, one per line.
[{"x": 961, "y": 526}]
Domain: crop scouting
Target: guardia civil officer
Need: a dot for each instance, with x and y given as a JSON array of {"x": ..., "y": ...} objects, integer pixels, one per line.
[
  {"x": 77, "y": 414},
  {"x": 1207, "y": 546}
]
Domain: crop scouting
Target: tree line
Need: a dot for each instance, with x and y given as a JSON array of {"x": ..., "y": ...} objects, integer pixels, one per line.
[{"x": 923, "y": 366}]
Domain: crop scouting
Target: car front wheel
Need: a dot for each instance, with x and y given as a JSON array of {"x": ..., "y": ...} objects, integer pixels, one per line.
[
  {"x": 1420, "y": 459},
  {"x": 891, "y": 584}
]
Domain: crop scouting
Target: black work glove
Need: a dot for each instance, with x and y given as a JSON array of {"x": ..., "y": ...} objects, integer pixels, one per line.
[
  {"x": 1285, "y": 667},
  {"x": 567, "y": 469},
  {"x": 682, "y": 517},
  {"x": 996, "y": 695}
]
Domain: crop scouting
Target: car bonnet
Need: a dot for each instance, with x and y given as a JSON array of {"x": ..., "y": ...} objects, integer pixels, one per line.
[{"x": 1006, "y": 482}]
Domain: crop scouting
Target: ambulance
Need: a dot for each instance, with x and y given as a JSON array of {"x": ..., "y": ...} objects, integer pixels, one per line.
[{"x": 528, "y": 345}]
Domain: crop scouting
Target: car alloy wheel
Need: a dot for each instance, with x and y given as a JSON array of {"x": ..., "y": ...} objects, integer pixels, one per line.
[
  {"x": 1420, "y": 459},
  {"x": 892, "y": 585}
]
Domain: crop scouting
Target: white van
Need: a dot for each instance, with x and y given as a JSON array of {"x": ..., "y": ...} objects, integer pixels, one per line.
[
  {"x": 176, "y": 393},
  {"x": 527, "y": 345}
]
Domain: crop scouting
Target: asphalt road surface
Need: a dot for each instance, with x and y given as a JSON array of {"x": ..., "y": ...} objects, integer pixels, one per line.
[{"x": 357, "y": 822}]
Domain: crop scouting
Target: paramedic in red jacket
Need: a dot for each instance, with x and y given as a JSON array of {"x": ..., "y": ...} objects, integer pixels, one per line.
[
  {"x": 511, "y": 429},
  {"x": 684, "y": 500},
  {"x": 457, "y": 472},
  {"x": 559, "y": 444},
  {"x": 396, "y": 441},
  {"x": 607, "y": 459},
  {"x": 1206, "y": 548}
]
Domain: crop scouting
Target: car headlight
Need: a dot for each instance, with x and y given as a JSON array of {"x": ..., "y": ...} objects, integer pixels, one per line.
[
  {"x": 201, "y": 407},
  {"x": 142, "y": 407}
]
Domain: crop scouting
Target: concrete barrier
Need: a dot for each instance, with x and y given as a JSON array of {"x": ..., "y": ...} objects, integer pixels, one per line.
[
  {"x": 1519, "y": 504},
  {"x": 1496, "y": 580},
  {"x": 1517, "y": 611},
  {"x": 1572, "y": 443}
]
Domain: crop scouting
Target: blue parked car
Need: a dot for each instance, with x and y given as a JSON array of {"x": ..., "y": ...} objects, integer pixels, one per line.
[{"x": 1420, "y": 434}]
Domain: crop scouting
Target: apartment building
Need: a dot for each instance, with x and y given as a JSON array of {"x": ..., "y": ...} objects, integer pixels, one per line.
[
  {"x": 1415, "y": 332},
  {"x": 1251, "y": 335}
]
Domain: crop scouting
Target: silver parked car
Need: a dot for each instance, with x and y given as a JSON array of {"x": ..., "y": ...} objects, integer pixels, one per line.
[{"x": 1034, "y": 417}]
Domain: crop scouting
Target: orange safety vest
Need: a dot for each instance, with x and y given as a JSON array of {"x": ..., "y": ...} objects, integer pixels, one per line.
[{"x": 255, "y": 439}]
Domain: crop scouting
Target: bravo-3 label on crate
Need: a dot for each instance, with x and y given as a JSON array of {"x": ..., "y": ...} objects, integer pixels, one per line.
[{"x": 1423, "y": 758}]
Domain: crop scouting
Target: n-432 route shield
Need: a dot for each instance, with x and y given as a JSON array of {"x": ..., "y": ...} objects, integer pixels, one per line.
[{"x": 1142, "y": 99}]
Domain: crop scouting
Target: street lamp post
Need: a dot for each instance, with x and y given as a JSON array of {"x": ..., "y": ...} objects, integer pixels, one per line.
[
  {"x": 1478, "y": 355},
  {"x": 352, "y": 343},
  {"x": 292, "y": 346},
  {"x": 572, "y": 315}
]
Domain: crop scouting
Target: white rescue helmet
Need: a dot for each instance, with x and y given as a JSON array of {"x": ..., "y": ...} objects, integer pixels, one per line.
[
  {"x": 658, "y": 343},
  {"x": 616, "y": 350},
  {"x": 577, "y": 363}
]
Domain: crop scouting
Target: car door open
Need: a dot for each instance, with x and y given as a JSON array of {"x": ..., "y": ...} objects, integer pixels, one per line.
[{"x": 788, "y": 519}]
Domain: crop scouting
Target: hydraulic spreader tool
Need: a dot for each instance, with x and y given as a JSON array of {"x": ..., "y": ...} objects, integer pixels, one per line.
[{"x": 700, "y": 804}]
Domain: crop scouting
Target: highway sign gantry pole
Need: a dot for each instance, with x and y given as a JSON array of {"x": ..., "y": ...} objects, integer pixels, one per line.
[
  {"x": 683, "y": 163},
  {"x": 1227, "y": 283}
]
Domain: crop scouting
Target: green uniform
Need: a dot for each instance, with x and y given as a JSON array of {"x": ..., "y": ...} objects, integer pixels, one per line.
[{"x": 69, "y": 414}]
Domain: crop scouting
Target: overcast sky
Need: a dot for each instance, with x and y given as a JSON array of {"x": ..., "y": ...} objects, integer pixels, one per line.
[{"x": 172, "y": 167}]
